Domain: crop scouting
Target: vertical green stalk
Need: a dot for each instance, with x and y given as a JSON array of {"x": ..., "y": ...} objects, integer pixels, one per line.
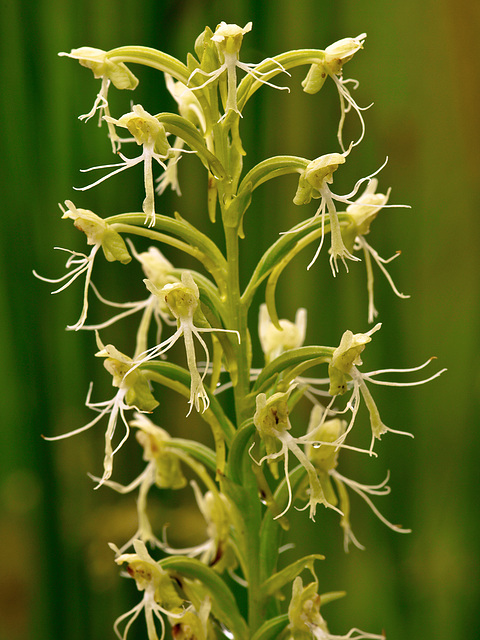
[{"x": 249, "y": 511}]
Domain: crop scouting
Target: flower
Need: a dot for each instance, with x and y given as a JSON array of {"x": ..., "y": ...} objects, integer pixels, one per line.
[
  {"x": 133, "y": 392},
  {"x": 108, "y": 71},
  {"x": 313, "y": 183},
  {"x": 193, "y": 625},
  {"x": 99, "y": 234},
  {"x": 150, "y": 134},
  {"x": 159, "y": 593},
  {"x": 182, "y": 298},
  {"x": 228, "y": 39},
  {"x": 275, "y": 341},
  {"x": 362, "y": 213},
  {"x": 305, "y": 618},
  {"x": 336, "y": 55},
  {"x": 163, "y": 470},
  {"x": 324, "y": 458},
  {"x": 344, "y": 374},
  {"x": 273, "y": 424},
  {"x": 217, "y": 551}
]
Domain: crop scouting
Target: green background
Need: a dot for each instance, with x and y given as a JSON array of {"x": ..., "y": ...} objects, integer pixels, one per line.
[{"x": 420, "y": 68}]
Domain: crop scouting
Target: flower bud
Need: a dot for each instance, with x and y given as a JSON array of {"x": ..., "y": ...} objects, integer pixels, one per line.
[{"x": 207, "y": 51}]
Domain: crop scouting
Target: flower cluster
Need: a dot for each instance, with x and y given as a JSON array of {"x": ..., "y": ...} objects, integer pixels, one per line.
[{"x": 278, "y": 433}]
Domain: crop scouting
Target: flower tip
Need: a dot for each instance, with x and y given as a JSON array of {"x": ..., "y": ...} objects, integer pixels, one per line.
[{"x": 114, "y": 548}]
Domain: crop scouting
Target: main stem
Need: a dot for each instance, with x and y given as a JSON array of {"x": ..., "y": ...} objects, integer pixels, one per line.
[{"x": 237, "y": 313}]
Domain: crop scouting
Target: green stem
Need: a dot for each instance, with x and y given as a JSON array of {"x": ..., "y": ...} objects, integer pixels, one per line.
[{"x": 245, "y": 496}]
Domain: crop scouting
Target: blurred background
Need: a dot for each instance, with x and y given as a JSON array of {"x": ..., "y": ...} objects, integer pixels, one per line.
[{"x": 420, "y": 68}]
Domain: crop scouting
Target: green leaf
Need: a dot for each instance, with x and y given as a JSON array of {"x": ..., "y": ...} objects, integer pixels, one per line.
[
  {"x": 311, "y": 356},
  {"x": 196, "y": 450},
  {"x": 165, "y": 63},
  {"x": 282, "y": 252},
  {"x": 271, "y": 586},
  {"x": 193, "y": 241},
  {"x": 224, "y": 606},
  {"x": 273, "y": 168},
  {"x": 237, "y": 451},
  {"x": 183, "y": 128},
  {"x": 331, "y": 596},
  {"x": 271, "y": 629},
  {"x": 150, "y": 58}
]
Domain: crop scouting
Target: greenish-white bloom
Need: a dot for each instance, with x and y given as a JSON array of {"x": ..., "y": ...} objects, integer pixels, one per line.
[
  {"x": 182, "y": 299},
  {"x": 344, "y": 375},
  {"x": 116, "y": 73},
  {"x": 133, "y": 392},
  {"x": 163, "y": 469},
  {"x": 228, "y": 39},
  {"x": 275, "y": 341},
  {"x": 336, "y": 55},
  {"x": 159, "y": 593},
  {"x": 272, "y": 422},
  {"x": 189, "y": 108},
  {"x": 324, "y": 458},
  {"x": 150, "y": 134},
  {"x": 306, "y": 621},
  {"x": 99, "y": 234},
  {"x": 362, "y": 213}
]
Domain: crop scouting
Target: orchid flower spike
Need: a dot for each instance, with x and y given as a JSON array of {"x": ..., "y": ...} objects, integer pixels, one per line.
[
  {"x": 336, "y": 55},
  {"x": 115, "y": 72},
  {"x": 228, "y": 39},
  {"x": 344, "y": 374},
  {"x": 99, "y": 234},
  {"x": 182, "y": 299},
  {"x": 362, "y": 213},
  {"x": 275, "y": 341},
  {"x": 159, "y": 593},
  {"x": 306, "y": 621},
  {"x": 150, "y": 134},
  {"x": 313, "y": 183}
]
